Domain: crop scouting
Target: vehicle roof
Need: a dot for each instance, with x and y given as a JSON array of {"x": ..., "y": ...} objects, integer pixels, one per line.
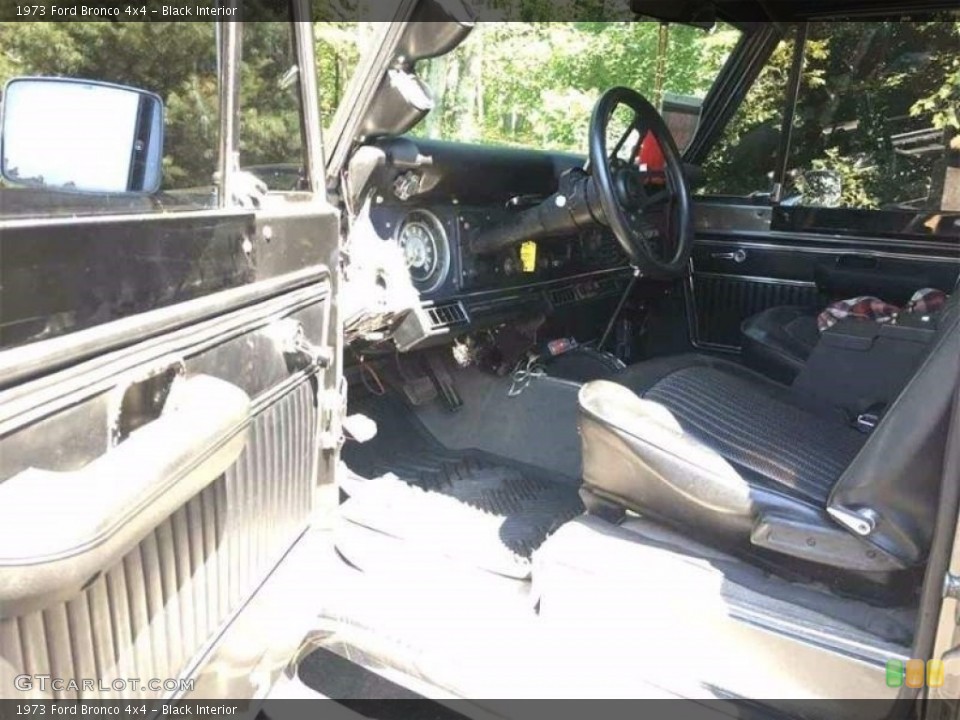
[{"x": 796, "y": 10}]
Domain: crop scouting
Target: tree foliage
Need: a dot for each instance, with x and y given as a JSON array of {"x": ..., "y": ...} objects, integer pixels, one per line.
[
  {"x": 176, "y": 60},
  {"x": 534, "y": 83}
]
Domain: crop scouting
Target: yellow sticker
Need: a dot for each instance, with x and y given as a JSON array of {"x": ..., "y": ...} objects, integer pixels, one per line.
[{"x": 528, "y": 256}]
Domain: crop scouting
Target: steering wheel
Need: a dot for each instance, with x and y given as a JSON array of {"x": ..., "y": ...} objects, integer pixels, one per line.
[{"x": 648, "y": 211}]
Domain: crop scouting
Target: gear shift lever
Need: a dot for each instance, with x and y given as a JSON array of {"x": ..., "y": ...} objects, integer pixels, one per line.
[{"x": 619, "y": 309}]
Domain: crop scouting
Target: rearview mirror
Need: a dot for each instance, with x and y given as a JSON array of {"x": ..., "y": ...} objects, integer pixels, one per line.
[
  {"x": 80, "y": 135},
  {"x": 681, "y": 114}
]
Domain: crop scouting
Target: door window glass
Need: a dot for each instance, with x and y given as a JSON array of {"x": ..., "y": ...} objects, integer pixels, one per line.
[
  {"x": 271, "y": 132},
  {"x": 876, "y": 128},
  {"x": 175, "y": 60},
  {"x": 744, "y": 160}
]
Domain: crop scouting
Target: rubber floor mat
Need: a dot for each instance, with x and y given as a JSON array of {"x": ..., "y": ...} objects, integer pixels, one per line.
[{"x": 467, "y": 506}]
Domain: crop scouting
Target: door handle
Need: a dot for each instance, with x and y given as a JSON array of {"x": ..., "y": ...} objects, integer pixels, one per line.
[
  {"x": 738, "y": 256},
  {"x": 58, "y": 530}
]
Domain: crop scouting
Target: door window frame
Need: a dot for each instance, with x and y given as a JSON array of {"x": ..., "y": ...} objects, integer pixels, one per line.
[{"x": 134, "y": 322}]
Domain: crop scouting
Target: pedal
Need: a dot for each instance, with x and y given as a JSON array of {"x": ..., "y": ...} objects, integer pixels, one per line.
[
  {"x": 443, "y": 382},
  {"x": 419, "y": 391},
  {"x": 359, "y": 428}
]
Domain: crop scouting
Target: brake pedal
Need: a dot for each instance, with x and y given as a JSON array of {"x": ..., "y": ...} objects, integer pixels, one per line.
[
  {"x": 419, "y": 391},
  {"x": 443, "y": 382}
]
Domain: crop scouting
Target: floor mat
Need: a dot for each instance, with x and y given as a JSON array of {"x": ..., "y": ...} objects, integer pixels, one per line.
[{"x": 469, "y": 507}]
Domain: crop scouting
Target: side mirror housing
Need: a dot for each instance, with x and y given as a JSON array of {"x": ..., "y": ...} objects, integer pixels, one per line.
[{"x": 80, "y": 136}]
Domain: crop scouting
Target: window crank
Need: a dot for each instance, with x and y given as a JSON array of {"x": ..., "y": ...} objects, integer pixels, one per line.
[{"x": 738, "y": 256}]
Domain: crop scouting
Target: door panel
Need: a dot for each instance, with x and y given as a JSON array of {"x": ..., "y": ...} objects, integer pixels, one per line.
[
  {"x": 152, "y": 607},
  {"x": 150, "y": 613},
  {"x": 170, "y": 376},
  {"x": 723, "y": 301},
  {"x": 737, "y": 273}
]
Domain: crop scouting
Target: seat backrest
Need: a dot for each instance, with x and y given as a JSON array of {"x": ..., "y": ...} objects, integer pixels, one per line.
[{"x": 889, "y": 493}]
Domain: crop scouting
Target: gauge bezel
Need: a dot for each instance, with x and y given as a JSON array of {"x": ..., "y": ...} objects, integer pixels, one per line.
[{"x": 441, "y": 241}]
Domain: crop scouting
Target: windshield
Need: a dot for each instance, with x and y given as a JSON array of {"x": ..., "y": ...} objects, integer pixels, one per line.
[{"x": 535, "y": 84}]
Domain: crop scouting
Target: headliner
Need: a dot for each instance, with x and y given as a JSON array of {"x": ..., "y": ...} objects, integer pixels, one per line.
[{"x": 795, "y": 10}]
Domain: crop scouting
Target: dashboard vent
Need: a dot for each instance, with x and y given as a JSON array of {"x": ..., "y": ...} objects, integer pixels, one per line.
[
  {"x": 444, "y": 316},
  {"x": 609, "y": 254},
  {"x": 586, "y": 290},
  {"x": 563, "y": 295}
]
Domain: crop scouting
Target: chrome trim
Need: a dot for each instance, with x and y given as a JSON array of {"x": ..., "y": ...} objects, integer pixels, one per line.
[
  {"x": 690, "y": 304},
  {"x": 717, "y": 347},
  {"x": 231, "y": 39},
  {"x": 756, "y": 279},
  {"x": 862, "y": 523},
  {"x": 24, "y": 402},
  {"x": 44, "y": 355},
  {"x": 738, "y": 256},
  {"x": 875, "y": 655},
  {"x": 106, "y": 218},
  {"x": 546, "y": 283},
  {"x": 834, "y": 240}
]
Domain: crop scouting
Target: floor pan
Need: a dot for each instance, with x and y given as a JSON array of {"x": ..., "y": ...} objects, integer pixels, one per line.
[{"x": 472, "y": 508}]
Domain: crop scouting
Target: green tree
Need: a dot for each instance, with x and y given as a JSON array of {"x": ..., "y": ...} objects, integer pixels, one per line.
[{"x": 175, "y": 60}]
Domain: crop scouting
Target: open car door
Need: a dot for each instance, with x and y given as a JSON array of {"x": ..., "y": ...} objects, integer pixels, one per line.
[{"x": 169, "y": 375}]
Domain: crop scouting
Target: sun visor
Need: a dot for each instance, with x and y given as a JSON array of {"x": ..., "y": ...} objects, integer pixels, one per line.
[
  {"x": 403, "y": 99},
  {"x": 436, "y": 28}
]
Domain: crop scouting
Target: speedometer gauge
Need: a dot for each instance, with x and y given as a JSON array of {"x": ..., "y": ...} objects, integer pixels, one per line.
[{"x": 425, "y": 249}]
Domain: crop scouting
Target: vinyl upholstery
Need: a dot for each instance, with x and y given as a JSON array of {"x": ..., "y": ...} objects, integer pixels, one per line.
[
  {"x": 733, "y": 457},
  {"x": 779, "y": 340},
  {"x": 758, "y": 432}
]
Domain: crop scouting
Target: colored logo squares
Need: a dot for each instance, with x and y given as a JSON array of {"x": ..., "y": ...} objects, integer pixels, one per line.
[{"x": 914, "y": 673}]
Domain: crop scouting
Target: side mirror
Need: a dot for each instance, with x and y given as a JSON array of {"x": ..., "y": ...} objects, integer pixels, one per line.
[{"x": 81, "y": 136}]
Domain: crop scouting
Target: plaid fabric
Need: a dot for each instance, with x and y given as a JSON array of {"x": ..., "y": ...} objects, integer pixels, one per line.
[
  {"x": 927, "y": 301},
  {"x": 867, "y": 307}
]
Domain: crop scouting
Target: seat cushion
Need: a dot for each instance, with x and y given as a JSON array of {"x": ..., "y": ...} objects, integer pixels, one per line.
[
  {"x": 756, "y": 425},
  {"x": 778, "y": 341}
]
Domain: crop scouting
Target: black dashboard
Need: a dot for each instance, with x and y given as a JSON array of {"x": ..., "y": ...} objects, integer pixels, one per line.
[{"x": 431, "y": 198}]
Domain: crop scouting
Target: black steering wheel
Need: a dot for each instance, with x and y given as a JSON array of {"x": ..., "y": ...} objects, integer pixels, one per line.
[{"x": 647, "y": 210}]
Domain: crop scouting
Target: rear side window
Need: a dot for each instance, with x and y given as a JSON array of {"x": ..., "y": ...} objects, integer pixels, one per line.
[
  {"x": 175, "y": 60},
  {"x": 876, "y": 121}
]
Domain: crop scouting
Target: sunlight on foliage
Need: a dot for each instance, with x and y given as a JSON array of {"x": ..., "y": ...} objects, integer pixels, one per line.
[{"x": 867, "y": 89}]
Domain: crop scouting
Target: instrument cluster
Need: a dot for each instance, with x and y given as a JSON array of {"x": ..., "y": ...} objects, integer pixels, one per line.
[{"x": 435, "y": 242}]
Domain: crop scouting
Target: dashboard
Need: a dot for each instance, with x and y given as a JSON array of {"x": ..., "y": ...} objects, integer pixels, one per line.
[{"x": 431, "y": 198}]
